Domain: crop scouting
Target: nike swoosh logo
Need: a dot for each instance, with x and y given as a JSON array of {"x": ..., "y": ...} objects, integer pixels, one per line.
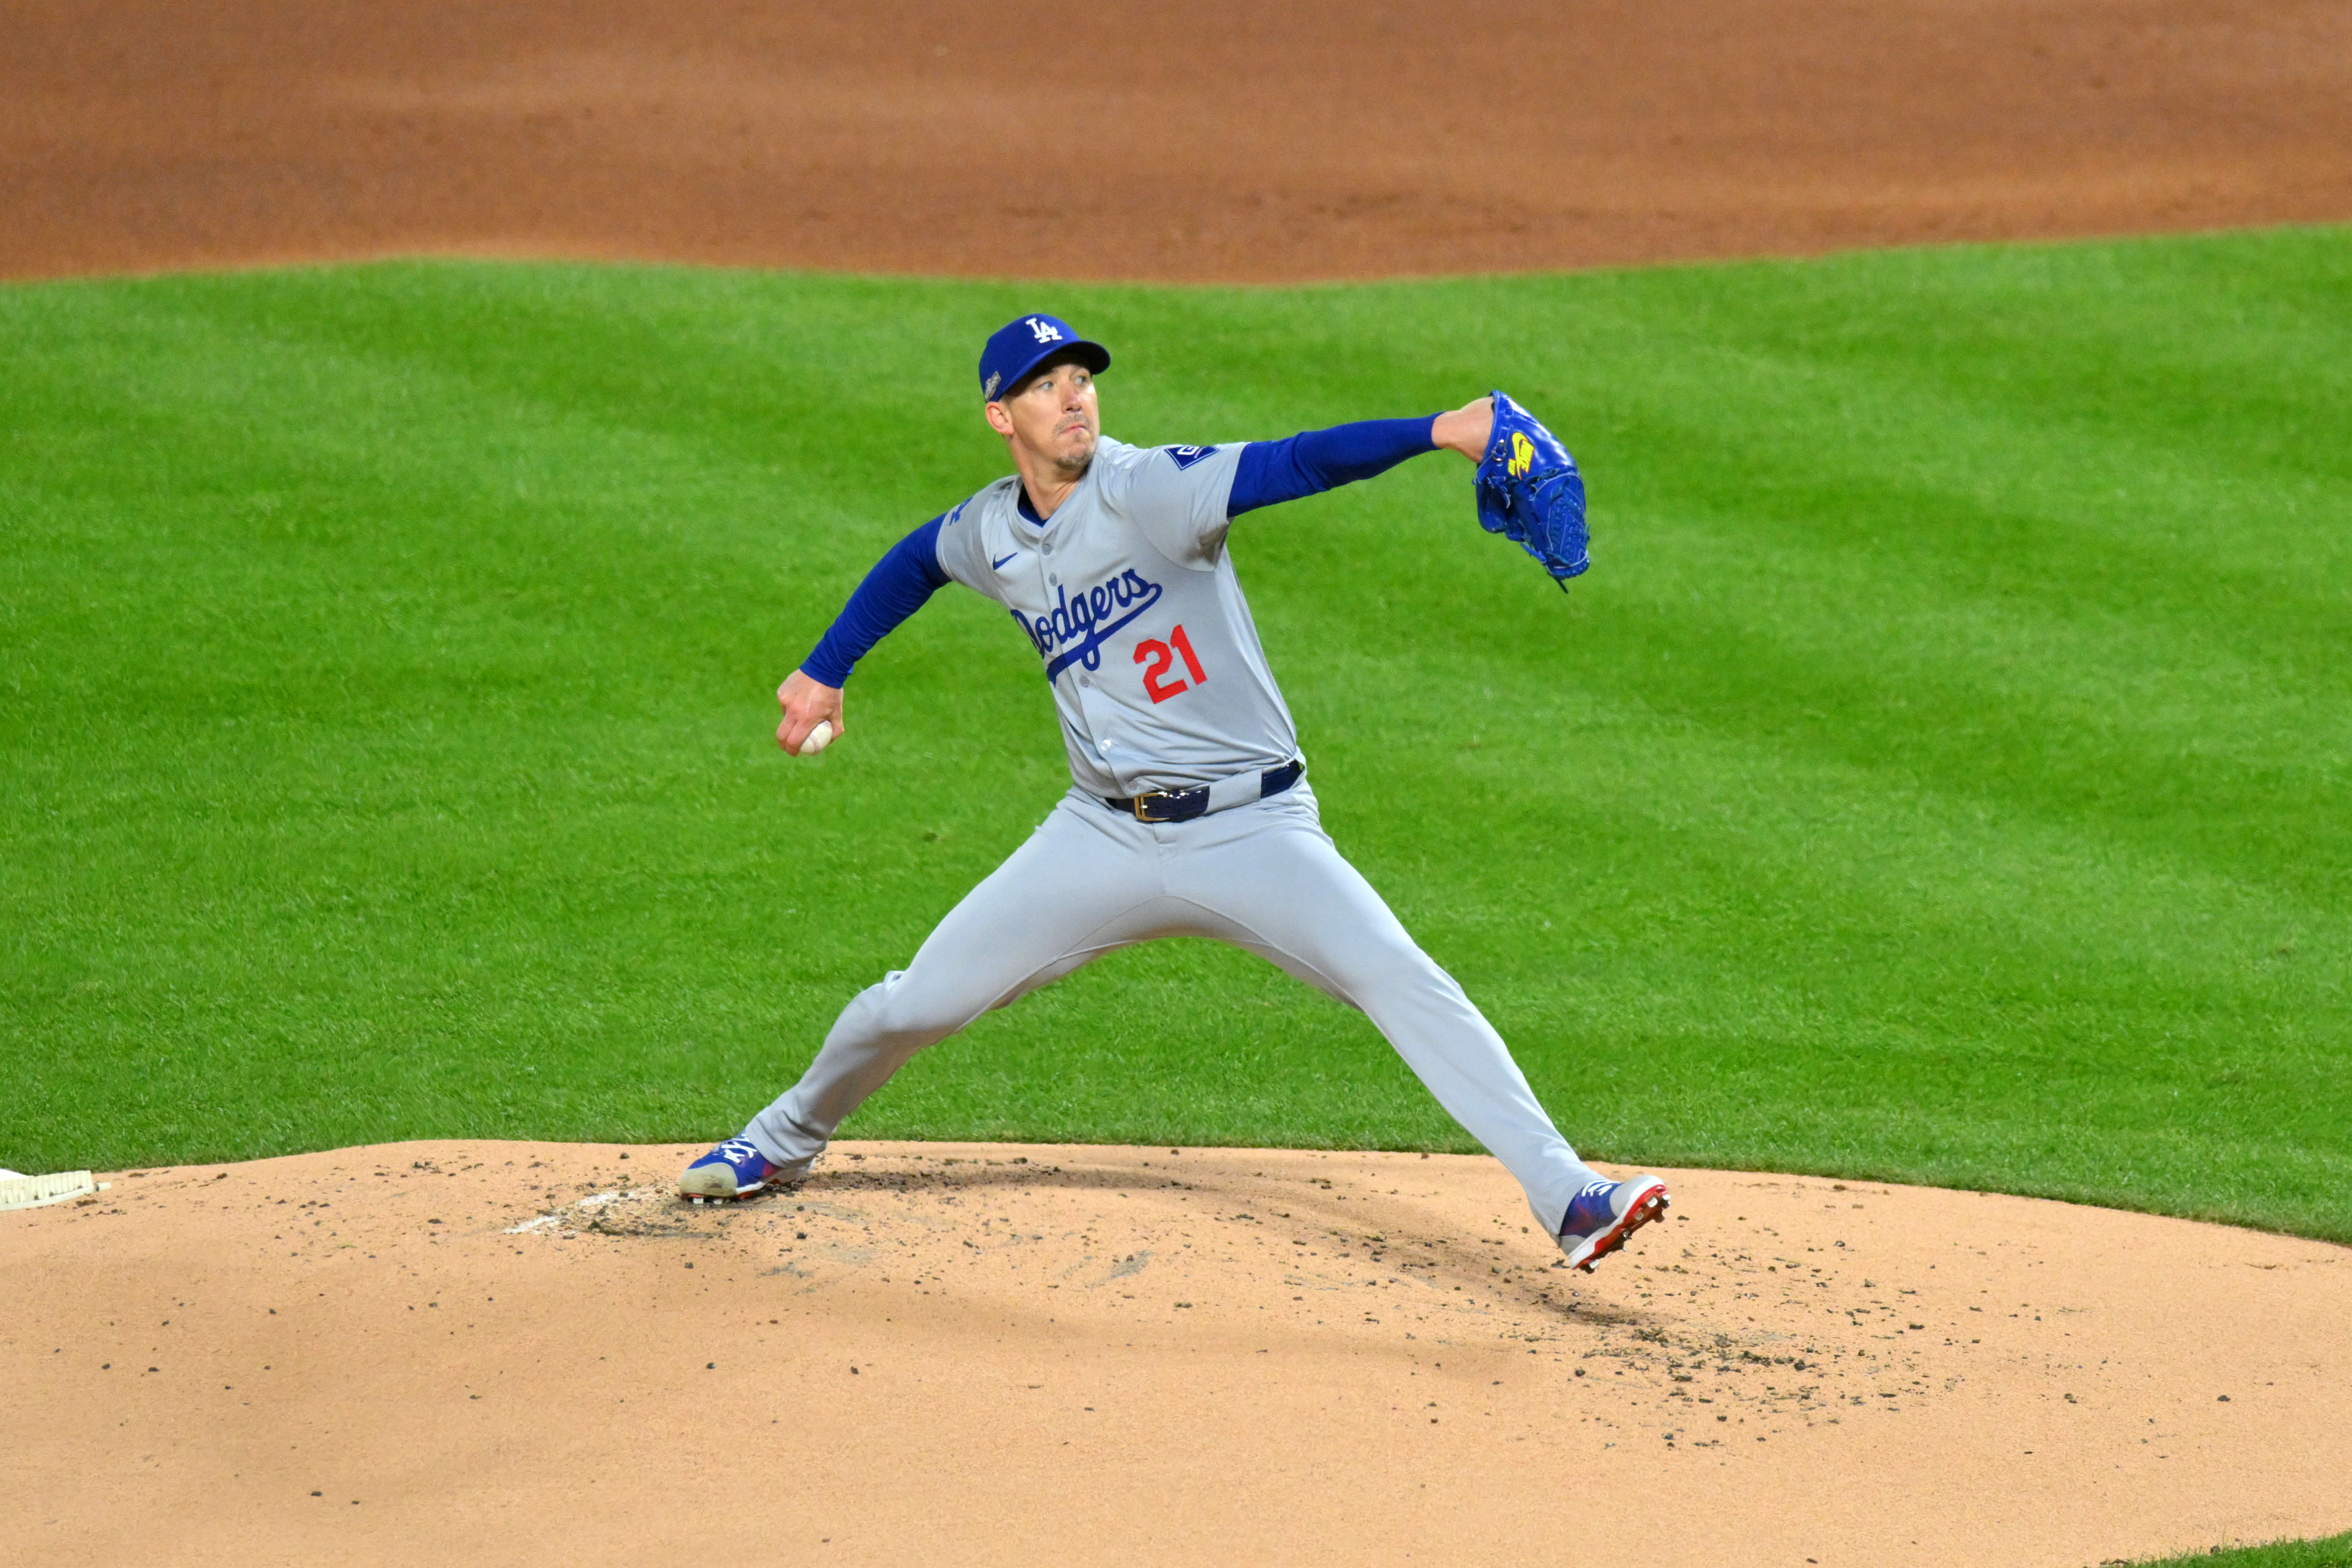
[{"x": 999, "y": 562}]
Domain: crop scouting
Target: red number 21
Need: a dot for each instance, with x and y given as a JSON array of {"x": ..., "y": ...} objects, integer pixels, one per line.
[{"x": 1156, "y": 654}]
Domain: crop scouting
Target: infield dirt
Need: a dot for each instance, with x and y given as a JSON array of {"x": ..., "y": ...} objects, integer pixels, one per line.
[
  {"x": 973, "y": 1353},
  {"x": 1217, "y": 140}
]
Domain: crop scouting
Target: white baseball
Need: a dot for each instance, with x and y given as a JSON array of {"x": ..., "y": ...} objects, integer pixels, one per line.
[{"x": 818, "y": 739}]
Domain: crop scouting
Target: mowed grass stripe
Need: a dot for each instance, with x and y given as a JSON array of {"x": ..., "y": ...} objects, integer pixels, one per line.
[{"x": 1942, "y": 775}]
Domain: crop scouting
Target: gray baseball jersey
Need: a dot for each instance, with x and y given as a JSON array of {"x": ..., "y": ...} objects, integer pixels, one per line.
[{"x": 1129, "y": 598}]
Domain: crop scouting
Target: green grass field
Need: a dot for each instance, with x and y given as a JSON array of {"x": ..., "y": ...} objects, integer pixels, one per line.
[
  {"x": 2335, "y": 1552},
  {"x": 1942, "y": 775}
]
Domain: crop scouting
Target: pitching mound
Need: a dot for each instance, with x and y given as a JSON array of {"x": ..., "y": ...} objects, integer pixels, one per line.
[{"x": 501, "y": 1352}]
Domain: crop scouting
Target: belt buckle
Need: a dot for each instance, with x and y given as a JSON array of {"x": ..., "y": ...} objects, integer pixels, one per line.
[{"x": 1142, "y": 813}]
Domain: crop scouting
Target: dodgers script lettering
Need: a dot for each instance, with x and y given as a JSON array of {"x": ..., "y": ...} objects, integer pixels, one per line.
[{"x": 1077, "y": 627}]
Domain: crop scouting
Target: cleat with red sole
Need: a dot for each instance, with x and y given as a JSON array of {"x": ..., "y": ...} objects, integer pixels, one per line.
[{"x": 1604, "y": 1214}]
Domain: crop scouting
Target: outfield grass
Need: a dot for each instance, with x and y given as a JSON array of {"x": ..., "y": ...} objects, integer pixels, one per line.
[
  {"x": 2335, "y": 1552},
  {"x": 1942, "y": 775}
]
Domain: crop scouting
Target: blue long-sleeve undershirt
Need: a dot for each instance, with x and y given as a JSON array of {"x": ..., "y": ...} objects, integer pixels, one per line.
[
  {"x": 1267, "y": 474},
  {"x": 1313, "y": 461},
  {"x": 900, "y": 583}
]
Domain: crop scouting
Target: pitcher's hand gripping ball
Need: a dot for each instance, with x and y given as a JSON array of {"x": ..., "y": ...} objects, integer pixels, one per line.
[
  {"x": 818, "y": 739},
  {"x": 1529, "y": 491}
]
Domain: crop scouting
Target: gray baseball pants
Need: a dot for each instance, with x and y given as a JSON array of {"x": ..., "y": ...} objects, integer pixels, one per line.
[{"x": 1263, "y": 876}]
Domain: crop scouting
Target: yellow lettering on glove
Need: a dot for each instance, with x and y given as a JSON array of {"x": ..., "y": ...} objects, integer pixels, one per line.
[{"x": 1523, "y": 455}]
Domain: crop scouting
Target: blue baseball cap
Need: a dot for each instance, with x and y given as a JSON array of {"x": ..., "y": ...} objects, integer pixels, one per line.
[{"x": 1019, "y": 347}]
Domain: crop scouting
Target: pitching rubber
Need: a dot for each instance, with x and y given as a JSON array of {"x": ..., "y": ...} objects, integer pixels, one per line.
[{"x": 33, "y": 1192}]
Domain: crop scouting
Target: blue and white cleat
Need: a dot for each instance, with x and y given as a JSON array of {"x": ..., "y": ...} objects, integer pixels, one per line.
[
  {"x": 736, "y": 1168},
  {"x": 1604, "y": 1214}
]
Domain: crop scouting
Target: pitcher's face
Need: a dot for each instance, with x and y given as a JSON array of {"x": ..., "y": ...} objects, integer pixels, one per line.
[{"x": 1051, "y": 414}]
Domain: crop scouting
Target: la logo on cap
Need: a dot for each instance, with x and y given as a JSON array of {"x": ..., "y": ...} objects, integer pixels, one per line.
[{"x": 1017, "y": 348}]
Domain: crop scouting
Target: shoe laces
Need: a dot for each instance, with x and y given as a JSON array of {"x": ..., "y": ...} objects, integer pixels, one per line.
[{"x": 739, "y": 1149}]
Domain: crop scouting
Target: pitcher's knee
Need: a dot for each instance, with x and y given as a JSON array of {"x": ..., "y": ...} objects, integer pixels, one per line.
[
  {"x": 903, "y": 1009},
  {"x": 1394, "y": 974}
]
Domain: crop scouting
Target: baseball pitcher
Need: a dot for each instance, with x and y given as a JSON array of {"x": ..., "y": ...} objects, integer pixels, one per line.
[{"x": 1189, "y": 812}]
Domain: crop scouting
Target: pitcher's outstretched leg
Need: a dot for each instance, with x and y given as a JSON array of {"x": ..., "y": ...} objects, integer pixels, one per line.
[
  {"x": 1282, "y": 877},
  {"x": 1029, "y": 922}
]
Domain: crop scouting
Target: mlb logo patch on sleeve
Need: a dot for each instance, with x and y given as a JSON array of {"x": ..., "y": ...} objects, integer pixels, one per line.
[{"x": 1187, "y": 456}]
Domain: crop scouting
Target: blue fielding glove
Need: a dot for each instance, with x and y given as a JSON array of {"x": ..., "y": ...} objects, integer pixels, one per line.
[{"x": 1528, "y": 491}]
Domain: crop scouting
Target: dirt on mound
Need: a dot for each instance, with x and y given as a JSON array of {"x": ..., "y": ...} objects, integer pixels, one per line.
[
  {"x": 501, "y": 1352},
  {"x": 1217, "y": 141}
]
